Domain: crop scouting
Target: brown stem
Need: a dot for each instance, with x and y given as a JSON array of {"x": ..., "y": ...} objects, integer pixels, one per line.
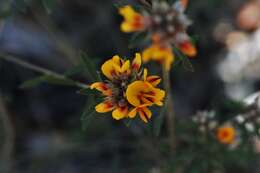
[
  {"x": 170, "y": 116},
  {"x": 9, "y": 139}
]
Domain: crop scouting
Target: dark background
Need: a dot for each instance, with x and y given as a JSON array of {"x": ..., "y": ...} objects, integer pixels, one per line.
[{"x": 46, "y": 119}]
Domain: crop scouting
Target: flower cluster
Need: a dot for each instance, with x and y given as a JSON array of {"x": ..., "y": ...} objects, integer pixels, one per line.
[
  {"x": 166, "y": 25},
  {"x": 128, "y": 89}
]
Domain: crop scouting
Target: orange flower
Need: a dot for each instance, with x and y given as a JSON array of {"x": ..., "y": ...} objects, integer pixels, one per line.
[
  {"x": 159, "y": 53},
  {"x": 226, "y": 135},
  {"x": 133, "y": 20},
  {"x": 187, "y": 48}
]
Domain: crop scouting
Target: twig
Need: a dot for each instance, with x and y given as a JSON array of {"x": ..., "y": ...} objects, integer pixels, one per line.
[
  {"x": 9, "y": 139},
  {"x": 33, "y": 67},
  {"x": 170, "y": 111}
]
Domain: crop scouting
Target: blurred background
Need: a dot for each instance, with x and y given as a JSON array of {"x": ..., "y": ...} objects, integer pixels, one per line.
[{"x": 43, "y": 125}]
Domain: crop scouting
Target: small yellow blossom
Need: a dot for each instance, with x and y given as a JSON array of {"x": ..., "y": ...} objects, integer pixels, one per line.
[
  {"x": 133, "y": 21},
  {"x": 164, "y": 55},
  {"x": 142, "y": 94},
  {"x": 226, "y": 135}
]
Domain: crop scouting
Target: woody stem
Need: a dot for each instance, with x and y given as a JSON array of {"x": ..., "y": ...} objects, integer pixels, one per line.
[{"x": 170, "y": 116}]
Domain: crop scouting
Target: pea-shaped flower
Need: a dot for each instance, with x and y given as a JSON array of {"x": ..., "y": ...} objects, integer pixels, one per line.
[{"x": 128, "y": 89}]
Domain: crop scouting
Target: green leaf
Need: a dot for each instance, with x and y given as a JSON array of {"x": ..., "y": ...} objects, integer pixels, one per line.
[
  {"x": 59, "y": 81},
  {"x": 49, "y": 5},
  {"x": 32, "y": 82},
  {"x": 90, "y": 67},
  {"x": 74, "y": 70},
  {"x": 184, "y": 59},
  {"x": 89, "y": 112},
  {"x": 87, "y": 116}
]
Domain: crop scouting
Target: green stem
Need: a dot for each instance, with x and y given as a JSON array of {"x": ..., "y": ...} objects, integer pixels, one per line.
[
  {"x": 170, "y": 116},
  {"x": 38, "y": 69}
]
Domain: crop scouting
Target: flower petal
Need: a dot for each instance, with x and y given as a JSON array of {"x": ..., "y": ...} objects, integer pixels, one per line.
[
  {"x": 145, "y": 114},
  {"x": 145, "y": 74},
  {"x": 127, "y": 12},
  {"x": 141, "y": 92},
  {"x": 159, "y": 53},
  {"x": 188, "y": 48},
  {"x": 108, "y": 69},
  {"x": 137, "y": 62},
  {"x": 104, "y": 107},
  {"x": 154, "y": 80},
  {"x": 147, "y": 54},
  {"x": 120, "y": 113},
  {"x": 102, "y": 87},
  {"x": 126, "y": 67},
  {"x": 132, "y": 113}
]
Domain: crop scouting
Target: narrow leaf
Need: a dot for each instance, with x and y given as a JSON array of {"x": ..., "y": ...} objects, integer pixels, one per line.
[
  {"x": 89, "y": 65},
  {"x": 185, "y": 60},
  {"x": 59, "y": 81},
  {"x": 138, "y": 39},
  {"x": 32, "y": 82}
]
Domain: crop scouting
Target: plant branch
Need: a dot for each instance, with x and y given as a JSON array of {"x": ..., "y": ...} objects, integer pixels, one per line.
[
  {"x": 33, "y": 67},
  {"x": 170, "y": 116}
]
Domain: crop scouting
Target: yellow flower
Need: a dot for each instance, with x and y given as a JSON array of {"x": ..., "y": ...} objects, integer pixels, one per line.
[
  {"x": 226, "y": 135},
  {"x": 120, "y": 96},
  {"x": 115, "y": 67},
  {"x": 159, "y": 53},
  {"x": 133, "y": 21},
  {"x": 142, "y": 94}
]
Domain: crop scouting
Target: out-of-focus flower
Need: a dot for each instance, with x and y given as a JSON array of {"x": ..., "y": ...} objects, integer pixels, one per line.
[
  {"x": 158, "y": 53},
  {"x": 226, "y": 134},
  {"x": 133, "y": 21},
  {"x": 166, "y": 25},
  {"x": 241, "y": 64},
  {"x": 128, "y": 89},
  {"x": 249, "y": 16}
]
